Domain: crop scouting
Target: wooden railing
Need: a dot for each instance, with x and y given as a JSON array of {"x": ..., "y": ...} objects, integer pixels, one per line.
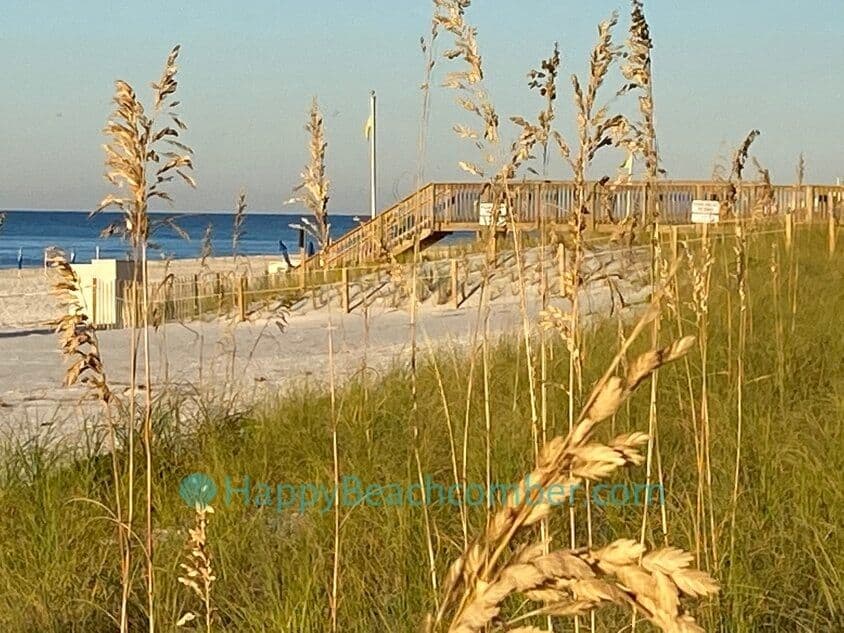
[
  {"x": 457, "y": 203},
  {"x": 446, "y": 207},
  {"x": 388, "y": 232}
]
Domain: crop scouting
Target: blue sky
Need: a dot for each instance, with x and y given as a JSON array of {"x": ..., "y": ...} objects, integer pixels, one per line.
[{"x": 250, "y": 68}]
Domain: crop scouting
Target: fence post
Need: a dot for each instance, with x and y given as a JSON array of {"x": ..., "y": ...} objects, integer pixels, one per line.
[
  {"x": 196, "y": 295},
  {"x": 169, "y": 308},
  {"x": 218, "y": 288},
  {"x": 344, "y": 296},
  {"x": 241, "y": 300},
  {"x": 455, "y": 298}
]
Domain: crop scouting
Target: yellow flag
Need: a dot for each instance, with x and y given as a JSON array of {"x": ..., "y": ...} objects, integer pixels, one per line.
[{"x": 367, "y": 128}]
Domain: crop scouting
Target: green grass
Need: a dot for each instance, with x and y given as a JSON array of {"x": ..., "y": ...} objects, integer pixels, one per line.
[{"x": 58, "y": 559}]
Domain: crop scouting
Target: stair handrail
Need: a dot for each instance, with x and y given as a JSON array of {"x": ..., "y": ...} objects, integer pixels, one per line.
[{"x": 337, "y": 249}]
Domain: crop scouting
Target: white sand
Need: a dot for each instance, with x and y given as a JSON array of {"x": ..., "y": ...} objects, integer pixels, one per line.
[
  {"x": 257, "y": 356},
  {"x": 26, "y": 302}
]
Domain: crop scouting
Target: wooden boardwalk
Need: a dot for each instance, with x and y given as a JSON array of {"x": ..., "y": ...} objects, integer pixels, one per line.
[{"x": 441, "y": 208}]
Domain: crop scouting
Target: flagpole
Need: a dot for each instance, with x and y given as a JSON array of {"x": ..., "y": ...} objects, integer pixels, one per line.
[{"x": 372, "y": 174}]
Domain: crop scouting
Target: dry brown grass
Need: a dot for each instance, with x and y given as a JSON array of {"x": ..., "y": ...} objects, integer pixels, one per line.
[
  {"x": 596, "y": 130},
  {"x": 571, "y": 582}
]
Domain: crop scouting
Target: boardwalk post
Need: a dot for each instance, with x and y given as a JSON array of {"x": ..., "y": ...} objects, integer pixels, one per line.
[
  {"x": 645, "y": 202},
  {"x": 810, "y": 203},
  {"x": 344, "y": 297},
  {"x": 455, "y": 298},
  {"x": 537, "y": 204}
]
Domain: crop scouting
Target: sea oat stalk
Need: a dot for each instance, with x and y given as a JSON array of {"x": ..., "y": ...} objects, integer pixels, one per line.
[
  {"x": 313, "y": 190},
  {"x": 480, "y": 580},
  {"x": 740, "y": 250},
  {"x": 142, "y": 158},
  {"x": 237, "y": 225},
  {"x": 198, "y": 570}
]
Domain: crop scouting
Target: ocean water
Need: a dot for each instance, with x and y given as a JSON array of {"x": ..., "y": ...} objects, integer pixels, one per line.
[{"x": 32, "y": 232}]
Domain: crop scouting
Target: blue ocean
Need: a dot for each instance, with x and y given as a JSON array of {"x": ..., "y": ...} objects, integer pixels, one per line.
[{"x": 30, "y": 233}]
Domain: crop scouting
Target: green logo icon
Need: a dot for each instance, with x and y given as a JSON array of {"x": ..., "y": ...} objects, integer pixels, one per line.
[{"x": 197, "y": 489}]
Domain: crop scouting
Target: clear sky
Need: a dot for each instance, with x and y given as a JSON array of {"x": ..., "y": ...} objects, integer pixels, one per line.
[{"x": 249, "y": 70}]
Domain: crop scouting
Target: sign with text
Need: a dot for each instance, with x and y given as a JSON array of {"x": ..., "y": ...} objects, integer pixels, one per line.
[
  {"x": 485, "y": 214},
  {"x": 706, "y": 211}
]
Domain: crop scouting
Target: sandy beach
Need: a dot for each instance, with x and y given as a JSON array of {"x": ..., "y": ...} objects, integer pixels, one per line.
[
  {"x": 258, "y": 357},
  {"x": 26, "y": 301}
]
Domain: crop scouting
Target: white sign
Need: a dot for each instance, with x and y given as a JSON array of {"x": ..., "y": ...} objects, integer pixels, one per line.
[
  {"x": 706, "y": 211},
  {"x": 485, "y": 214}
]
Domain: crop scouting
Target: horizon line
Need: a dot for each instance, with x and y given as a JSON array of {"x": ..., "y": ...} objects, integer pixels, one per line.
[{"x": 159, "y": 212}]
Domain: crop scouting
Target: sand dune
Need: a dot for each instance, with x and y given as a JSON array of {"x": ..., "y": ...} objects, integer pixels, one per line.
[{"x": 258, "y": 356}]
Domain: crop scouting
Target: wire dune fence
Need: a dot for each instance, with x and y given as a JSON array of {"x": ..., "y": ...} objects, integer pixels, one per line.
[
  {"x": 446, "y": 275},
  {"x": 236, "y": 294}
]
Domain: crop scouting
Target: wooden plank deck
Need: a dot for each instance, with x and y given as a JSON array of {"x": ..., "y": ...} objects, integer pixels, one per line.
[{"x": 440, "y": 208}]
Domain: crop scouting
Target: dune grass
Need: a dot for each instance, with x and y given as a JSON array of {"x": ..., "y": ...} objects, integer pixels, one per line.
[{"x": 58, "y": 560}]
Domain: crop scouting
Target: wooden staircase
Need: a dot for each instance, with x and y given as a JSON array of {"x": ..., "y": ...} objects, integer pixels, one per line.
[{"x": 389, "y": 233}]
